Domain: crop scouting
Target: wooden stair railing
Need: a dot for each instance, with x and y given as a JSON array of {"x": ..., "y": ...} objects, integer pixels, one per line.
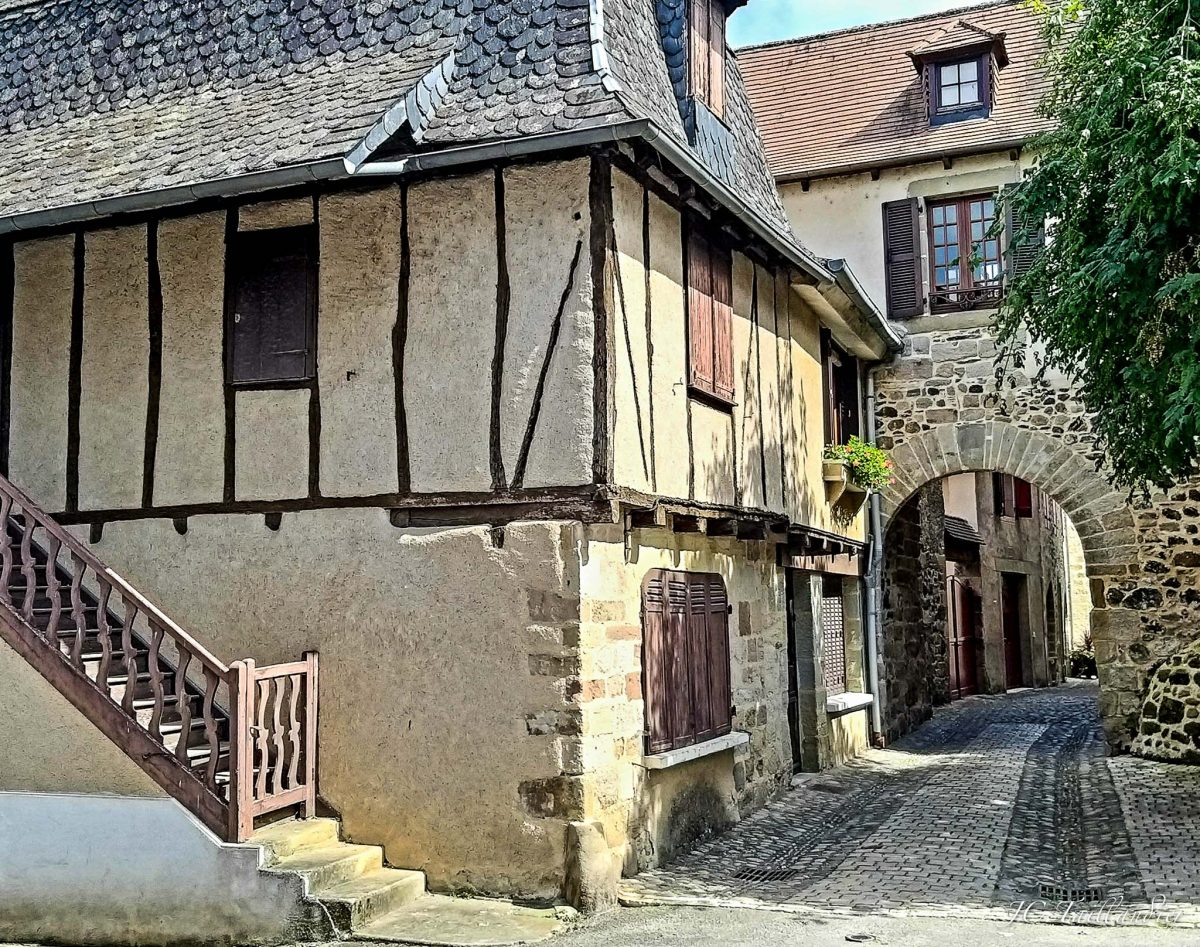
[{"x": 228, "y": 742}]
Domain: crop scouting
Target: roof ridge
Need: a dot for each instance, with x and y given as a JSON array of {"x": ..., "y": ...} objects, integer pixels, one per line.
[{"x": 866, "y": 27}]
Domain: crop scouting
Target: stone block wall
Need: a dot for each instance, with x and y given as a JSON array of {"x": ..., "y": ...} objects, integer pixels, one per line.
[{"x": 940, "y": 412}]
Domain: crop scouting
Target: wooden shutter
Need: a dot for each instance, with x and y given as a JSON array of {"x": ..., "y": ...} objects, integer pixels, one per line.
[
  {"x": 1025, "y": 237},
  {"x": 716, "y": 628},
  {"x": 274, "y": 303},
  {"x": 700, "y": 314},
  {"x": 700, "y": 659},
  {"x": 698, "y": 48},
  {"x": 1022, "y": 498},
  {"x": 722, "y": 323},
  {"x": 656, "y": 687},
  {"x": 716, "y": 57},
  {"x": 683, "y": 724},
  {"x": 902, "y": 259}
]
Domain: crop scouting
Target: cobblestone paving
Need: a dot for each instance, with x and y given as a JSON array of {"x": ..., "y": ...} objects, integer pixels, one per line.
[{"x": 996, "y": 802}]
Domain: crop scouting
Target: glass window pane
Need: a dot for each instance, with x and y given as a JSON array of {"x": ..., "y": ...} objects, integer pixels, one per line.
[
  {"x": 952, "y": 276},
  {"x": 976, "y": 230},
  {"x": 968, "y": 71},
  {"x": 939, "y": 215},
  {"x": 969, "y": 92},
  {"x": 950, "y": 96},
  {"x": 952, "y": 234},
  {"x": 939, "y": 255},
  {"x": 939, "y": 276},
  {"x": 952, "y": 213},
  {"x": 949, "y": 74},
  {"x": 989, "y": 209}
]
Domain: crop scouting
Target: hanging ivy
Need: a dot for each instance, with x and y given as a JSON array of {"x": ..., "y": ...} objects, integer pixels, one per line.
[{"x": 1114, "y": 299}]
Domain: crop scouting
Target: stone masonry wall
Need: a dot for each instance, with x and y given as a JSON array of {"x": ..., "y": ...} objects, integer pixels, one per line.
[{"x": 940, "y": 413}]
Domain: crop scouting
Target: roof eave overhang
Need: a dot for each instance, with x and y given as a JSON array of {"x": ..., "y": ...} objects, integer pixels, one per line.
[{"x": 933, "y": 154}]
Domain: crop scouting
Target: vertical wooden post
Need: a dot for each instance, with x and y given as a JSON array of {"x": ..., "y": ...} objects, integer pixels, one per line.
[
  {"x": 241, "y": 751},
  {"x": 310, "y": 737}
]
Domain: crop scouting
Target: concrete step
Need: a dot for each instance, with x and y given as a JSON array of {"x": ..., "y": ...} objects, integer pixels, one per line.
[
  {"x": 356, "y": 903},
  {"x": 289, "y": 836},
  {"x": 465, "y": 922},
  {"x": 330, "y": 865}
]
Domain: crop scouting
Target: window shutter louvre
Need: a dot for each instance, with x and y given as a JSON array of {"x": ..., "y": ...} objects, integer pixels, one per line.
[
  {"x": 716, "y": 50},
  {"x": 902, "y": 259},
  {"x": 700, "y": 661},
  {"x": 683, "y": 730},
  {"x": 1025, "y": 237},
  {"x": 722, "y": 322},
  {"x": 656, "y": 688},
  {"x": 700, "y": 313},
  {"x": 717, "y": 631},
  {"x": 698, "y": 48}
]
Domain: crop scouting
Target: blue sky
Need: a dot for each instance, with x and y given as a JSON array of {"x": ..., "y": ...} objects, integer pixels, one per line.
[{"x": 765, "y": 20}]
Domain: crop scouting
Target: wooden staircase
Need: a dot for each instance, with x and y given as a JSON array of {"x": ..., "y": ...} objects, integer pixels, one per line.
[{"x": 229, "y": 742}]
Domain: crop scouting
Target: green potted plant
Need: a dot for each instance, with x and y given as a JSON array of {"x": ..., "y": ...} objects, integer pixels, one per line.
[{"x": 854, "y": 469}]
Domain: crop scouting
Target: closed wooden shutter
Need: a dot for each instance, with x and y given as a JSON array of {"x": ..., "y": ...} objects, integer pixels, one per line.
[
  {"x": 722, "y": 321},
  {"x": 698, "y": 48},
  {"x": 700, "y": 313},
  {"x": 1022, "y": 498},
  {"x": 274, "y": 306},
  {"x": 685, "y": 659},
  {"x": 716, "y": 57},
  {"x": 1025, "y": 237},
  {"x": 833, "y": 637},
  {"x": 902, "y": 259}
]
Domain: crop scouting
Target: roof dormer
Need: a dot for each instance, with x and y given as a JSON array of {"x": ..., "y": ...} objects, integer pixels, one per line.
[
  {"x": 959, "y": 69},
  {"x": 693, "y": 34}
]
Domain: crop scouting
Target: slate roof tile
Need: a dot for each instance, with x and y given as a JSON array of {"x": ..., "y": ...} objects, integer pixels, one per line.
[{"x": 104, "y": 98}]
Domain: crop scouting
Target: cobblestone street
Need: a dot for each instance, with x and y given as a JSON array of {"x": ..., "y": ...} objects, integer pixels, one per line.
[{"x": 997, "y": 802}]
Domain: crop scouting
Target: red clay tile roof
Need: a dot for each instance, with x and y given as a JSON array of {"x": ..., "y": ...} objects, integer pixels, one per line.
[{"x": 852, "y": 100}]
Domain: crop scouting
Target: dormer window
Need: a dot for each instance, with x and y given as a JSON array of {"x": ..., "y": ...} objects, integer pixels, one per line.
[
  {"x": 958, "y": 68},
  {"x": 706, "y": 53},
  {"x": 959, "y": 86}
]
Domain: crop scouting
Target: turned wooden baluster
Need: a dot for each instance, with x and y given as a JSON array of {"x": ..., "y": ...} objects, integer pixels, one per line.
[
  {"x": 183, "y": 704},
  {"x": 156, "y": 679},
  {"x": 77, "y": 614},
  {"x": 104, "y": 630},
  {"x": 260, "y": 735},
  {"x": 6, "y": 556},
  {"x": 27, "y": 565},
  {"x": 211, "y": 733},
  {"x": 127, "y": 646},
  {"x": 277, "y": 735},
  {"x": 53, "y": 589},
  {"x": 294, "y": 731}
]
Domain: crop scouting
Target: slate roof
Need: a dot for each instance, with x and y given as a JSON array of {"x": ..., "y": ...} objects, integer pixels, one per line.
[
  {"x": 853, "y": 101},
  {"x": 108, "y": 98}
]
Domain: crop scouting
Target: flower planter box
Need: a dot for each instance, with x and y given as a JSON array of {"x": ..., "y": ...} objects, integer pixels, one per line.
[{"x": 840, "y": 490}]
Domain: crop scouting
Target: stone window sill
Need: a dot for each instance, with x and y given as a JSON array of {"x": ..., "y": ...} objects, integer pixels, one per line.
[
  {"x": 845, "y": 703},
  {"x": 685, "y": 754}
]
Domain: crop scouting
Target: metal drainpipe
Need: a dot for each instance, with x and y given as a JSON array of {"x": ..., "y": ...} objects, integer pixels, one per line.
[{"x": 874, "y": 576}]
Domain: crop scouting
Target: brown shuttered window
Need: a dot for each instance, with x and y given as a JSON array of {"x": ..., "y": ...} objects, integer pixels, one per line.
[
  {"x": 685, "y": 659},
  {"x": 1022, "y": 498},
  {"x": 272, "y": 307},
  {"x": 710, "y": 319},
  {"x": 1025, "y": 237},
  {"x": 841, "y": 379},
  {"x": 706, "y": 53},
  {"x": 902, "y": 259},
  {"x": 833, "y": 636}
]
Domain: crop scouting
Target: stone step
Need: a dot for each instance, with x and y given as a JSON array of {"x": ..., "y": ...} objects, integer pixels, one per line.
[
  {"x": 289, "y": 836},
  {"x": 356, "y": 903},
  {"x": 330, "y": 865},
  {"x": 465, "y": 922}
]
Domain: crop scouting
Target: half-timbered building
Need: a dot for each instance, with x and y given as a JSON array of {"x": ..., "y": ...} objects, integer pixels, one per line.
[{"x": 460, "y": 350}]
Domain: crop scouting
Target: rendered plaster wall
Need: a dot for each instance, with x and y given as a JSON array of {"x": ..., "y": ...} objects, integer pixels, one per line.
[
  {"x": 189, "y": 462},
  {"x": 121, "y": 870},
  {"x": 39, "y": 387},
  {"x": 445, "y": 661},
  {"x": 849, "y": 736},
  {"x": 843, "y": 216},
  {"x": 639, "y": 811},
  {"x": 765, "y": 451},
  {"x": 271, "y": 444},
  {"x": 46, "y": 745}
]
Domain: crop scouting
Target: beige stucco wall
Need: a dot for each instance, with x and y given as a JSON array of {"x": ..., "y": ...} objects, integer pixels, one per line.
[
  {"x": 843, "y": 216},
  {"x": 46, "y": 745},
  {"x": 42, "y": 299},
  {"x": 271, "y": 454},
  {"x": 189, "y": 464},
  {"x": 116, "y": 351},
  {"x": 635, "y": 810},
  {"x": 766, "y": 449},
  {"x": 849, "y": 736},
  {"x": 437, "y": 650},
  {"x": 358, "y": 305}
]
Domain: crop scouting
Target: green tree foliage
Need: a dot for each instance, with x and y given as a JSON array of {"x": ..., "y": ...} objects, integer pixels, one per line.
[{"x": 1114, "y": 299}]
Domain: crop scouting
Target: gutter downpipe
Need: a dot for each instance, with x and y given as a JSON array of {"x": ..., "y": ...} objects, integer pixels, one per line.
[{"x": 874, "y": 581}]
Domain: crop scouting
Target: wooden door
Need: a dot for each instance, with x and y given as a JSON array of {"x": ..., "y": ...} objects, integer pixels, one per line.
[
  {"x": 962, "y": 638},
  {"x": 793, "y": 705},
  {"x": 1010, "y": 617}
]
